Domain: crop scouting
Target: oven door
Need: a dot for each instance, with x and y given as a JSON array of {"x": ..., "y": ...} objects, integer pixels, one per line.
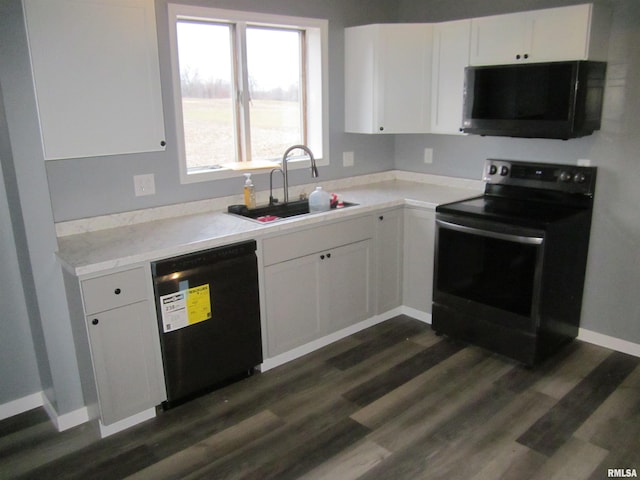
[{"x": 486, "y": 273}]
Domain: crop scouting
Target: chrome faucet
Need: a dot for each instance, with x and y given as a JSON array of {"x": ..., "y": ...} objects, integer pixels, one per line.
[{"x": 285, "y": 174}]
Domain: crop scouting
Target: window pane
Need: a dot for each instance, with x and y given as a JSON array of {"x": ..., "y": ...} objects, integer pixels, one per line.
[
  {"x": 206, "y": 80},
  {"x": 275, "y": 72}
]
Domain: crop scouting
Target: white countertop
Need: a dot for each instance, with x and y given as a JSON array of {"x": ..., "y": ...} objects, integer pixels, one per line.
[{"x": 97, "y": 251}]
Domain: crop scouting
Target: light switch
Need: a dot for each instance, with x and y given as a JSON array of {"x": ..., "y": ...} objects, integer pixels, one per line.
[
  {"x": 144, "y": 184},
  {"x": 428, "y": 155},
  {"x": 347, "y": 159}
]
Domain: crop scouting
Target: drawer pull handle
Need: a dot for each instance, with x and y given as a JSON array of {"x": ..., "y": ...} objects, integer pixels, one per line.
[
  {"x": 95, "y": 321},
  {"x": 117, "y": 291}
]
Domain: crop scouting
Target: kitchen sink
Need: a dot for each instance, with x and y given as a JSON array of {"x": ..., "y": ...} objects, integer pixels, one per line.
[{"x": 278, "y": 211}]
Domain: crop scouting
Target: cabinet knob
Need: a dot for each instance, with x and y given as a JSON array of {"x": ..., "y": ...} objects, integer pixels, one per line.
[
  {"x": 328, "y": 255},
  {"x": 163, "y": 143},
  {"x": 518, "y": 57},
  {"x": 95, "y": 321},
  {"x": 381, "y": 217},
  {"x": 321, "y": 257},
  {"x": 526, "y": 55},
  {"x": 381, "y": 129},
  {"x": 117, "y": 291}
]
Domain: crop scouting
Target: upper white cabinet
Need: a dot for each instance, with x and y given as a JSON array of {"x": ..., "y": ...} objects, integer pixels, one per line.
[
  {"x": 96, "y": 75},
  {"x": 388, "y": 78},
  {"x": 450, "y": 57},
  {"x": 578, "y": 32}
]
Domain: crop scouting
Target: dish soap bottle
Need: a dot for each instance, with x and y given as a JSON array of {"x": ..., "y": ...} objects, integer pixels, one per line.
[
  {"x": 249, "y": 192},
  {"x": 319, "y": 200}
]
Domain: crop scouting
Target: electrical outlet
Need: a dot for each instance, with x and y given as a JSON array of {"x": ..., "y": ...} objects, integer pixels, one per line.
[
  {"x": 428, "y": 155},
  {"x": 584, "y": 162},
  {"x": 347, "y": 159},
  {"x": 144, "y": 184}
]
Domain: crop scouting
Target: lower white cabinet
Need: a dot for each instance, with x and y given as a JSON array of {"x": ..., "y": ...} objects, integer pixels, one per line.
[
  {"x": 323, "y": 285},
  {"x": 123, "y": 339},
  {"x": 345, "y": 285},
  {"x": 292, "y": 300},
  {"x": 388, "y": 259},
  {"x": 419, "y": 241}
]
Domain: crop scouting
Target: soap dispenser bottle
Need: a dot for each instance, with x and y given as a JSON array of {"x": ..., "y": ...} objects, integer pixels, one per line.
[{"x": 249, "y": 192}]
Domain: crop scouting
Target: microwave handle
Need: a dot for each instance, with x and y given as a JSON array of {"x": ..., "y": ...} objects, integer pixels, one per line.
[{"x": 528, "y": 240}]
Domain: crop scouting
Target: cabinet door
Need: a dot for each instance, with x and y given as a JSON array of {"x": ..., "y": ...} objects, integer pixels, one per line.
[
  {"x": 345, "y": 285},
  {"x": 292, "y": 303},
  {"x": 404, "y": 95},
  {"x": 388, "y": 260},
  {"x": 559, "y": 34},
  {"x": 451, "y": 42},
  {"x": 96, "y": 74},
  {"x": 498, "y": 39},
  {"x": 388, "y": 78},
  {"x": 124, "y": 350},
  {"x": 578, "y": 32},
  {"x": 419, "y": 240}
]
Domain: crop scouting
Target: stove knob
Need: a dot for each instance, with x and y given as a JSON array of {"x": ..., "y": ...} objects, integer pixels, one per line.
[
  {"x": 579, "y": 177},
  {"x": 504, "y": 171},
  {"x": 565, "y": 176},
  {"x": 493, "y": 169}
]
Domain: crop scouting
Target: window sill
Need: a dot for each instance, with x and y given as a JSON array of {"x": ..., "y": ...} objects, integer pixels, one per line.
[{"x": 233, "y": 170}]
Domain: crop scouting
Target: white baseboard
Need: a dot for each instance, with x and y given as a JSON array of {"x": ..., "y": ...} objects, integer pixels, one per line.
[
  {"x": 66, "y": 420},
  {"x": 417, "y": 314},
  {"x": 612, "y": 343},
  {"x": 303, "y": 350},
  {"x": 106, "y": 430},
  {"x": 21, "y": 405}
]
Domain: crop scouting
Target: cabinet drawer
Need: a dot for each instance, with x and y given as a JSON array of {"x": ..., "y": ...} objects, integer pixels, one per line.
[
  {"x": 114, "y": 290},
  {"x": 306, "y": 242}
]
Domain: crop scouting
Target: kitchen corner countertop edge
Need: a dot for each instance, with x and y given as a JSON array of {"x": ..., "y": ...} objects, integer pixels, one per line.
[{"x": 95, "y": 252}]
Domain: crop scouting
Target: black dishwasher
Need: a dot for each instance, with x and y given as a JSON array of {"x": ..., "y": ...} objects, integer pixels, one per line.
[{"x": 209, "y": 318}]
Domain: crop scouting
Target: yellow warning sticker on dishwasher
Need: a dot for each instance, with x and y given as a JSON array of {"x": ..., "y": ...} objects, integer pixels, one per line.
[
  {"x": 198, "y": 304},
  {"x": 186, "y": 307}
]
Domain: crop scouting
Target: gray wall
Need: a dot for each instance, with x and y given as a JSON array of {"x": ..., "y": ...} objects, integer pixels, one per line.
[
  {"x": 20, "y": 375},
  {"x": 33, "y": 227},
  {"x": 95, "y": 186},
  {"x": 613, "y": 278}
]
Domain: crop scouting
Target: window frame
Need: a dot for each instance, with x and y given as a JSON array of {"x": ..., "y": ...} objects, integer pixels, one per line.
[{"x": 315, "y": 76}]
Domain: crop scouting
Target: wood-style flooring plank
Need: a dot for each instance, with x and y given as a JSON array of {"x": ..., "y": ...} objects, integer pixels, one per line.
[
  {"x": 350, "y": 464},
  {"x": 374, "y": 344},
  {"x": 387, "y": 381},
  {"x": 567, "y": 374},
  {"x": 515, "y": 462},
  {"x": 291, "y": 450},
  {"x": 217, "y": 446},
  {"x": 438, "y": 407},
  {"x": 574, "y": 459},
  {"x": 437, "y": 381},
  {"x": 554, "y": 428}
]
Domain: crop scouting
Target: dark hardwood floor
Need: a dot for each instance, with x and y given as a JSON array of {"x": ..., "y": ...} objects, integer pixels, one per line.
[{"x": 392, "y": 402}]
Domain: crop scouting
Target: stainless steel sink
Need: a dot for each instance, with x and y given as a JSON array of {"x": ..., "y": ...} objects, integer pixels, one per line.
[{"x": 278, "y": 211}]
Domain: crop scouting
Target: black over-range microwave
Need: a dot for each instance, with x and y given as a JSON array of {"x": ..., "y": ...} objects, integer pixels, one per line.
[{"x": 535, "y": 100}]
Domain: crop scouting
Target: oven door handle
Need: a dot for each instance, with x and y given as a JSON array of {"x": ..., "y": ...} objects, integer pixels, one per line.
[{"x": 528, "y": 240}]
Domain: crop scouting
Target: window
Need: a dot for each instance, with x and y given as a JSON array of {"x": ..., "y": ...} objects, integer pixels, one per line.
[{"x": 246, "y": 87}]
